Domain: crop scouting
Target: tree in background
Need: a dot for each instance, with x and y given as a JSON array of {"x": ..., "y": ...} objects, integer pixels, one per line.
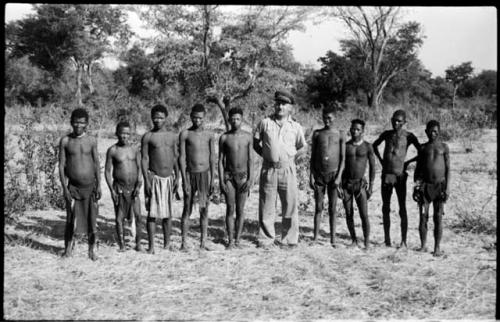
[
  {"x": 456, "y": 75},
  {"x": 60, "y": 33},
  {"x": 227, "y": 66},
  {"x": 379, "y": 43}
]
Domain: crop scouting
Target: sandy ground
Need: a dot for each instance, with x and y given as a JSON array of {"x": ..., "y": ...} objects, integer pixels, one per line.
[{"x": 305, "y": 283}]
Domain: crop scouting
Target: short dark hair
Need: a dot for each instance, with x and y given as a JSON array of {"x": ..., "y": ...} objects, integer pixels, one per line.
[
  {"x": 328, "y": 109},
  {"x": 235, "y": 110},
  {"x": 121, "y": 125},
  {"x": 79, "y": 113},
  {"x": 433, "y": 123},
  {"x": 159, "y": 108},
  {"x": 399, "y": 112},
  {"x": 358, "y": 121},
  {"x": 198, "y": 108}
]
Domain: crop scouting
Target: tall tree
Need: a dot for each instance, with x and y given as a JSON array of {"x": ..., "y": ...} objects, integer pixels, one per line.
[
  {"x": 456, "y": 75},
  {"x": 60, "y": 33},
  {"x": 226, "y": 66},
  {"x": 379, "y": 43}
]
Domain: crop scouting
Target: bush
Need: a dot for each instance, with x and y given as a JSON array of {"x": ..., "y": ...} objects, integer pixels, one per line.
[{"x": 30, "y": 168}]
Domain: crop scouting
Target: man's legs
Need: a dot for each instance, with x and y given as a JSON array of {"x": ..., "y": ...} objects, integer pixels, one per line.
[
  {"x": 401, "y": 194},
  {"x": 438, "y": 226},
  {"x": 362, "y": 203},
  {"x": 91, "y": 211},
  {"x": 288, "y": 194},
  {"x": 422, "y": 225},
  {"x": 166, "y": 224},
  {"x": 267, "y": 205},
  {"x": 230, "y": 207},
  {"x": 186, "y": 212},
  {"x": 332, "y": 209},
  {"x": 119, "y": 220},
  {"x": 204, "y": 225},
  {"x": 349, "y": 215},
  {"x": 241, "y": 198},
  {"x": 386, "y": 212},
  {"x": 319, "y": 196},
  {"x": 138, "y": 222},
  {"x": 69, "y": 231}
]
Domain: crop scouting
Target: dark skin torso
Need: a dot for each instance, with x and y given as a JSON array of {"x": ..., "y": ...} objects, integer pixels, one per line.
[
  {"x": 161, "y": 149},
  {"x": 432, "y": 160},
  {"x": 197, "y": 150},
  {"x": 356, "y": 159},
  {"x": 235, "y": 150},
  {"x": 125, "y": 167},
  {"x": 80, "y": 166},
  {"x": 326, "y": 151},
  {"x": 396, "y": 146}
]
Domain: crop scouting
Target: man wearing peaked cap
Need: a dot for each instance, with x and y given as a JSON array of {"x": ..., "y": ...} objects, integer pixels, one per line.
[
  {"x": 278, "y": 139},
  {"x": 283, "y": 96}
]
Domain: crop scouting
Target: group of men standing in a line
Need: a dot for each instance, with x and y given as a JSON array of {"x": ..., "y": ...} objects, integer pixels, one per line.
[{"x": 337, "y": 168}]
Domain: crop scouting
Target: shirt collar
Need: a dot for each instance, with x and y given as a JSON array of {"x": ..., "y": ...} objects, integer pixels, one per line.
[{"x": 288, "y": 119}]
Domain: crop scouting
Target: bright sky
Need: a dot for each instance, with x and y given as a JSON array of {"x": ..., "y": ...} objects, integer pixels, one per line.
[{"x": 453, "y": 35}]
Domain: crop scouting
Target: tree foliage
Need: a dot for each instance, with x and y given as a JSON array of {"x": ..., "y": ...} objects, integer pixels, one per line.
[
  {"x": 57, "y": 34},
  {"x": 379, "y": 43},
  {"x": 456, "y": 75}
]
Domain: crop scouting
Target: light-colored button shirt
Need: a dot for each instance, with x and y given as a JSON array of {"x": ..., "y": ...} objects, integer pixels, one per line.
[{"x": 279, "y": 143}]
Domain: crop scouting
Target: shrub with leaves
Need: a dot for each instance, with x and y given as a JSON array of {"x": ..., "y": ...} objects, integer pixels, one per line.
[{"x": 30, "y": 168}]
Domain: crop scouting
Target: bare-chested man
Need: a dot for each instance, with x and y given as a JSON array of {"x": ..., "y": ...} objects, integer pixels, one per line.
[
  {"x": 394, "y": 173},
  {"x": 327, "y": 164},
  {"x": 123, "y": 176},
  {"x": 80, "y": 177},
  {"x": 197, "y": 163},
  {"x": 161, "y": 174},
  {"x": 354, "y": 185},
  {"x": 432, "y": 177},
  {"x": 235, "y": 173}
]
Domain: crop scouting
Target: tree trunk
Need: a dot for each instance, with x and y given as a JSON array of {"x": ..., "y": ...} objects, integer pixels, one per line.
[
  {"x": 224, "y": 106},
  {"x": 78, "y": 94},
  {"x": 89, "y": 78},
  {"x": 455, "y": 88}
]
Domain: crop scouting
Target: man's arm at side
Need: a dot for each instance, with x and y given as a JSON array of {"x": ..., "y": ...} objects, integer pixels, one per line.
[
  {"x": 62, "y": 166},
  {"x": 375, "y": 145},
  {"x": 221, "y": 163},
  {"x": 145, "y": 163},
  {"x": 97, "y": 166},
  {"x": 447, "y": 168},
  {"x": 213, "y": 162},
  {"x": 182, "y": 159},
  {"x": 371, "y": 171},
  {"x": 341, "y": 157},
  {"x": 257, "y": 139},
  {"x": 108, "y": 165},
  {"x": 139, "y": 170},
  {"x": 250, "y": 162}
]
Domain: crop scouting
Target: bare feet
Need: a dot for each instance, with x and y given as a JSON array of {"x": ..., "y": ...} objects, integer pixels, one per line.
[
  {"x": 150, "y": 250},
  {"x": 422, "y": 249},
  {"x": 205, "y": 247},
  {"x": 437, "y": 253},
  {"x": 230, "y": 246},
  {"x": 139, "y": 248},
  {"x": 184, "y": 248},
  {"x": 92, "y": 255},
  {"x": 67, "y": 253},
  {"x": 333, "y": 245},
  {"x": 403, "y": 245},
  {"x": 121, "y": 249},
  {"x": 354, "y": 243}
]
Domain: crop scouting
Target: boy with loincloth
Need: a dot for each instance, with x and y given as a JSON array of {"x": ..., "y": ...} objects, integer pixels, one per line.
[
  {"x": 123, "y": 176},
  {"x": 197, "y": 163},
  {"x": 235, "y": 173},
  {"x": 80, "y": 177},
  {"x": 432, "y": 177},
  {"x": 161, "y": 175},
  {"x": 394, "y": 173},
  {"x": 354, "y": 185},
  {"x": 327, "y": 164}
]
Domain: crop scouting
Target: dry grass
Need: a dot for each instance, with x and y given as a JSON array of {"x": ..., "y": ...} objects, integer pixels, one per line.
[{"x": 306, "y": 283}]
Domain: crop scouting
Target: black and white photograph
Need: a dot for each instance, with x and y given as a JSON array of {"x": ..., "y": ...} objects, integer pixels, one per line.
[{"x": 213, "y": 162}]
